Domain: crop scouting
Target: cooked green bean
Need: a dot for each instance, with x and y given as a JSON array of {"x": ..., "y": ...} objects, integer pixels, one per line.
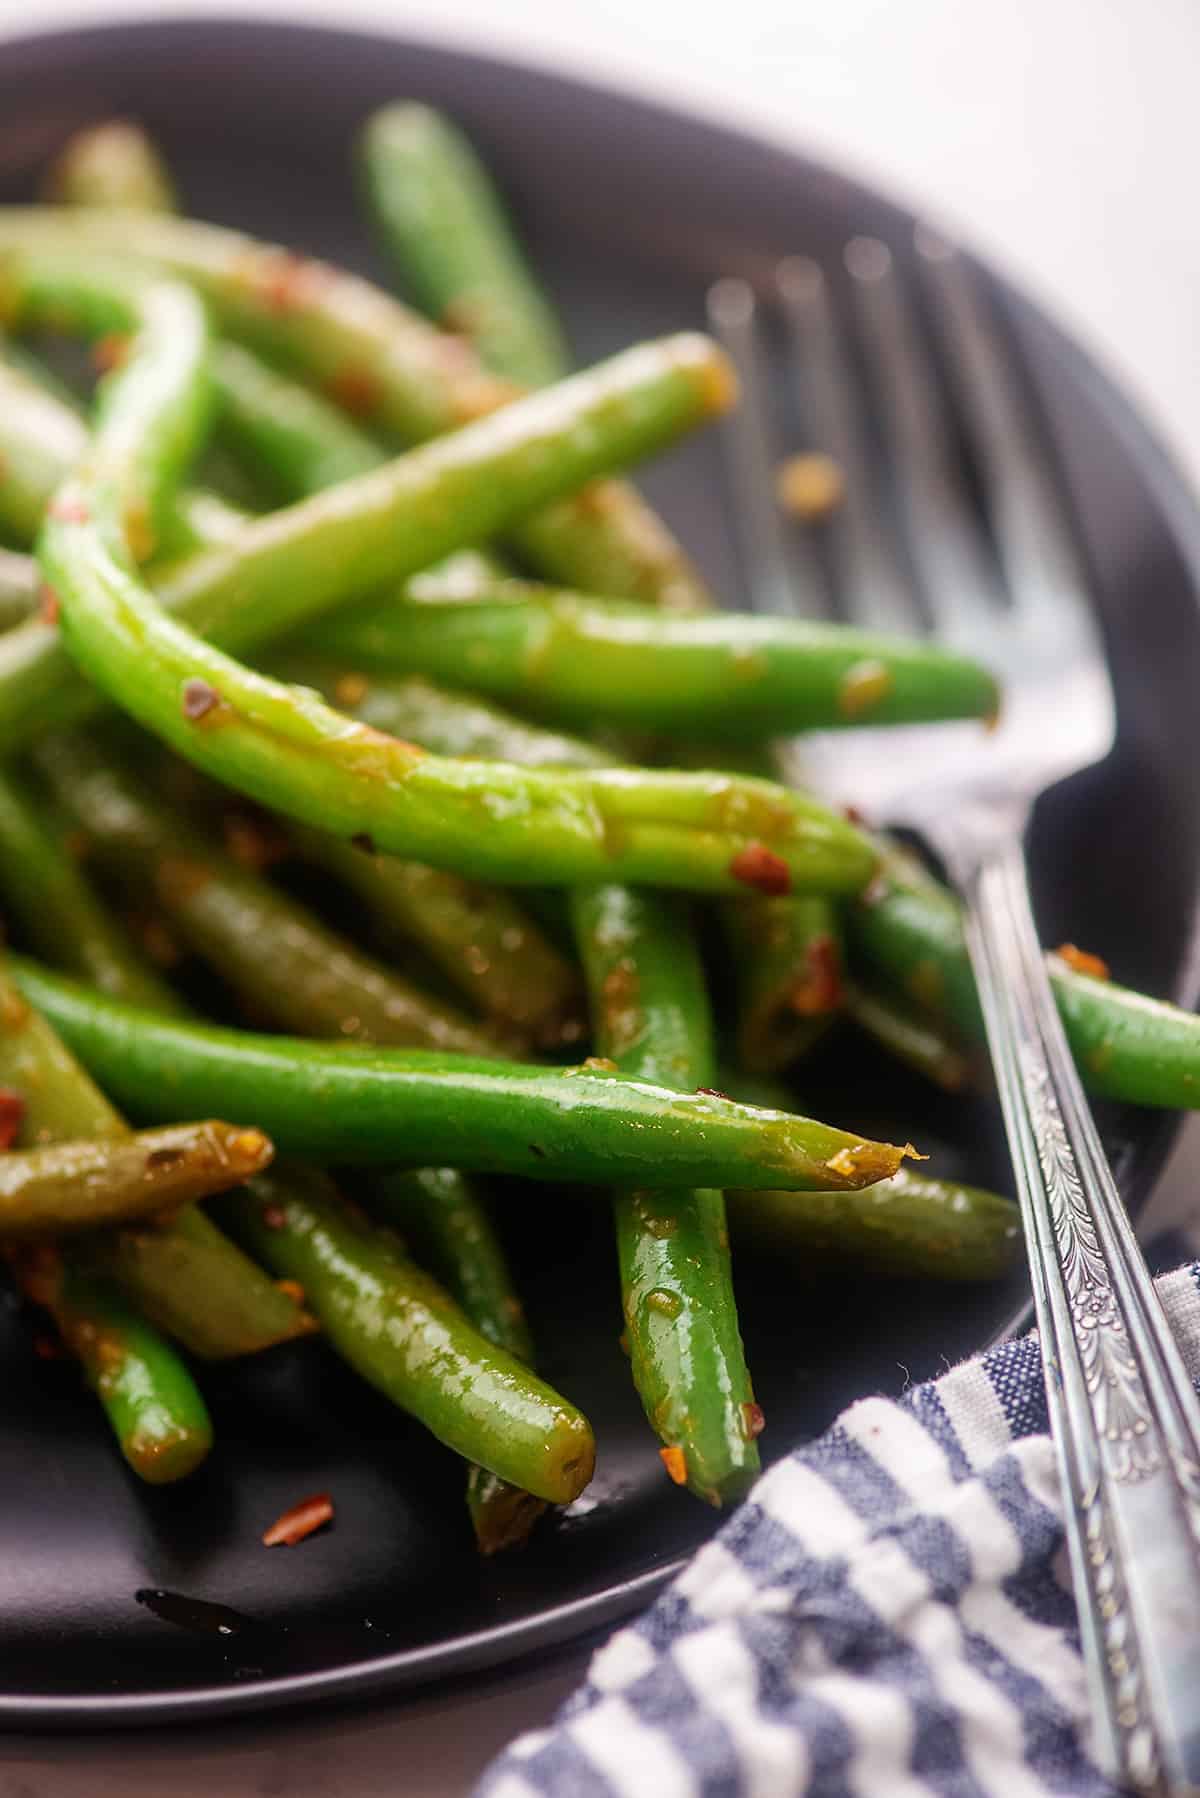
[
  {"x": 350, "y": 1103},
  {"x": 909, "y": 1225},
  {"x": 650, "y": 1015},
  {"x": 384, "y": 363},
  {"x": 588, "y": 661},
  {"x": 60, "y": 916},
  {"x": 151, "y": 1401},
  {"x": 113, "y": 164},
  {"x": 443, "y": 224},
  {"x": 492, "y": 951},
  {"x": 280, "y": 960},
  {"x": 86, "y": 1184},
  {"x": 18, "y": 588},
  {"x": 183, "y": 1271},
  {"x": 401, "y": 1331},
  {"x": 286, "y": 434},
  {"x": 1126, "y": 1045},
  {"x": 786, "y": 956},
  {"x": 40, "y": 438}
]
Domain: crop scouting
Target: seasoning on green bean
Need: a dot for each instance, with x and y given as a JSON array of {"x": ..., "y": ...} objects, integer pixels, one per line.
[
  {"x": 353, "y": 1103},
  {"x": 289, "y": 436},
  {"x": 486, "y": 945},
  {"x": 87, "y": 1184},
  {"x": 910, "y": 1033},
  {"x": 59, "y": 914},
  {"x": 280, "y": 960},
  {"x": 650, "y": 1016},
  {"x": 113, "y": 164},
  {"x": 588, "y": 661},
  {"x": 151, "y": 1401},
  {"x": 180, "y": 1270},
  {"x": 401, "y": 1331}
]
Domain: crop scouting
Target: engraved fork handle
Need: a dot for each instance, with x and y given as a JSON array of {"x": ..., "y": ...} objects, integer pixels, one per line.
[{"x": 1123, "y": 1414}]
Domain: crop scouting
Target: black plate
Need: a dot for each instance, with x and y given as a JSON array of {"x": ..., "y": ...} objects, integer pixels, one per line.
[{"x": 631, "y": 210}]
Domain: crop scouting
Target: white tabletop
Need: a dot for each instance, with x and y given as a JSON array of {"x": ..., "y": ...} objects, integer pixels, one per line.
[{"x": 1058, "y": 136}]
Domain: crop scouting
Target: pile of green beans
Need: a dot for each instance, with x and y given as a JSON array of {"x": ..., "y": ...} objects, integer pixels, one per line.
[{"x": 315, "y": 810}]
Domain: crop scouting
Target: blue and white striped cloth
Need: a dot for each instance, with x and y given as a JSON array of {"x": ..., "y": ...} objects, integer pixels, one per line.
[{"x": 889, "y": 1615}]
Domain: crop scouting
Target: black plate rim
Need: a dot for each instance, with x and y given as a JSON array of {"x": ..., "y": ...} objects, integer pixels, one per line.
[{"x": 1179, "y": 505}]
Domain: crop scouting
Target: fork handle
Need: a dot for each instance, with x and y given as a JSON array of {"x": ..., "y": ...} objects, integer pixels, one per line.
[{"x": 1123, "y": 1413}]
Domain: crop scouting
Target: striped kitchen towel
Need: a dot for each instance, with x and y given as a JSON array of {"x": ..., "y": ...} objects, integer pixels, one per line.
[{"x": 889, "y": 1615}]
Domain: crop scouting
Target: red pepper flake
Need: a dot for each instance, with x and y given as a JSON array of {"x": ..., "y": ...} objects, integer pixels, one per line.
[
  {"x": 1081, "y": 962},
  {"x": 759, "y": 867},
  {"x": 68, "y": 511},
  {"x": 199, "y": 699},
  {"x": 109, "y": 352},
  {"x": 675, "y": 1462},
  {"x": 12, "y": 1115},
  {"x": 49, "y": 606},
  {"x": 711, "y": 1092},
  {"x": 274, "y": 1217},
  {"x": 821, "y": 988},
  {"x": 355, "y": 390},
  {"x": 309, "y": 1515},
  {"x": 285, "y": 282},
  {"x": 291, "y": 1289},
  {"x": 753, "y": 1421}
]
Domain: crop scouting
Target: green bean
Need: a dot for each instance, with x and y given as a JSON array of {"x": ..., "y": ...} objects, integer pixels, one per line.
[
  {"x": 397, "y": 1328},
  {"x": 279, "y": 959},
  {"x": 384, "y": 363},
  {"x": 444, "y": 1221},
  {"x": 351, "y": 1103},
  {"x": 445, "y": 1224},
  {"x": 786, "y": 956},
  {"x": 910, "y": 1033},
  {"x": 151, "y": 1401},
  {"x": 58, "y": 912},
  {"x": 183, "y": 1272},
  {"x": 442, "y": 222},
  {"x": 86, "y": 1184},
  {"x": 490, "y": 949},
  {"x": 650, "y": 1015},
  {"x": 910, "y": 1225},
  {"x": 586, "y": 661},
  {"x": 1127, "y": 1046},
  {"x": 288, "y": 436},
  {"x": 167, "y": 1269},
  {"x": 40, "y": 438},
  {"x": 113, "y": 164}
]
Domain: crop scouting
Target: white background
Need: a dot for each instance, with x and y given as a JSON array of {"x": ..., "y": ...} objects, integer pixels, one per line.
[{"x": 1059, "y": 135}]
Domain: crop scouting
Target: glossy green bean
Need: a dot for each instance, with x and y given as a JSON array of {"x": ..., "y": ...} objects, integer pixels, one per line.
[
  {"x": 350, "y": 1103},
  {"x": 182, "y": 1271},
  {"x": 286, "y": 435},
  {"x": 401, "y": 1331},
  {"x": 443, "y": 224},
  {"x": 281, "y": 961},
  {"x": 60, "y": 916},
  {"x": 152, "y": 1403},
  {"x": 485, "y": 944},
  {"x": 113, "y": 164},
  {"x": 910, "y": 1226},
  {"x": 383, "y": 363},
  {"x": 587, "y": 661},
  {"x": 650, "y": 1015},
  {"x": 1127, "y": 1046},
  {"x": 87, "y": 1184},
  {"x": 786, "y": 957},
  {"x": 40, "y": 438}
]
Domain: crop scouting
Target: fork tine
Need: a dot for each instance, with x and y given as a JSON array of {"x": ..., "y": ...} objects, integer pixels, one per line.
[
  {"x": 772, "y": 579},
  {"x": 958, "y": 583},
  {"x": 1036, "y": 549},
  {"x": 875, "y": 590}
]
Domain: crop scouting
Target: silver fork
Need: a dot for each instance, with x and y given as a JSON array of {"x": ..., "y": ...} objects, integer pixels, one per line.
[{"x": 1124, "y": 1417}]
